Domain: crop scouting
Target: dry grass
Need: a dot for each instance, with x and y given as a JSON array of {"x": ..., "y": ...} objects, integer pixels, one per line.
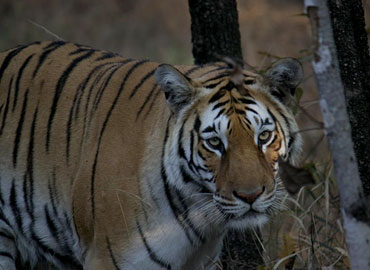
[{"x": 310, "y": 234}]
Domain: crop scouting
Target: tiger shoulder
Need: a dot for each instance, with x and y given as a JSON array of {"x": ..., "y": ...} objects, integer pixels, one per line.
[{"x": 114, "y": 163}]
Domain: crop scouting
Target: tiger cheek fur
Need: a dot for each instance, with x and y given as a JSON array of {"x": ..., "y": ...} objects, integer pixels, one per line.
[{"x": 114, "y": 163}]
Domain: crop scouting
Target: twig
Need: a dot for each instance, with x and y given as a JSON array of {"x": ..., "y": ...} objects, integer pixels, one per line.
[{"x": 46, "y": 30}]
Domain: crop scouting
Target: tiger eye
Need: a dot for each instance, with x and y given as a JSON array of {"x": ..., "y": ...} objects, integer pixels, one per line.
[
  {"x": 264, "y": 136},
  {"x": 214, "y": 141}
]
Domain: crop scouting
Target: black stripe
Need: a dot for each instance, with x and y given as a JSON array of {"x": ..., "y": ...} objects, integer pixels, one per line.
[
  {"x": 220, "y": 113},
  {"x": 272, "y": 142},
  {"x": 94, "y": 86},
  {"x": 238, "y": 111},
  {"x": 290, "y": 142},
  {"x": 230, "y": 86},
  {"x": 249, "y": 81},
  {"x": 191, "y": 147},
  {"x": 52, "y": 194},
  {"x": 220, "y": 76},
  {"x": 9, "y": 57},
  {"x": 220, "y": 104},
  {"x": 246, "y": 121},
  {"x": 25, "y": 194},
  {"x": 69, "y": 122},
  {"x": 247, "y": 101},
  {"x": 6, "y": 254},
  {"x": 251, "y": 110},
  {"x": 76, "y": 106},
  {"x": 219, "y": 94},
  {"x": 47, "y": 50},
  {"x": 19, "y": 130},
  {"x": 285, "y": 119},
  {"x": 92, "y": 187},
  {"x": 282, "y": 130},
  {"x": 151, "y": 253},
  {"x": 29, "y": 171},
  {"x": 187, "y": 178},
  {"x": 4, "y": 219},
  {"x": 229, "y": 111},
  {"x": 146, "y": 100},
  {"x": 106, "y": 55},
  {"x": 272, "y": 115},
  {"x": 186, "y": 216},
  {"x": 63, "y": 259},
  {"x": 228, "y": 124},
  {"x": 214, "y": 70},
  {"x": 77, "y": 101},
  {"x": 7, "y": 236},
  {"x": 80, "y": 50},
  {"x": 205, "y": 148},
  {"x": 68, "y": 224},
  {"x": 58, "y": 91},
  {"x": 112, "y": 255},
  {"x": 6, "y": 106},
  {"x": 17, "y": 82},
  {"x": 180, "y": 149},
  {"x": 1, "y": 195},
  {"x": 81, "y": 90},
  {"x": 152, "y": 103},
  {"x": 201, "y": 155},
  {"x": 192, "y": 70},
  {"x": 142, "y": 81},
  {"x": 213, "y": 85},
  {"x": 209, "y": 129},
  {"x": 14, "y": 206},
  {"x": 197, "y": 124},
  {"x": 99, "y": 93},
  {"x": 54, "y": 232},
  {"x": 175, "y": 209}
]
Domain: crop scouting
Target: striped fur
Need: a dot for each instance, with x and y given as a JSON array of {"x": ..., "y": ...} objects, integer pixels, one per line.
[{"x": 112, "y": 163}]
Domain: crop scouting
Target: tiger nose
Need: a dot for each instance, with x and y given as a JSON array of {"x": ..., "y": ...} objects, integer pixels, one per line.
[{"x": 249, "y": 197}]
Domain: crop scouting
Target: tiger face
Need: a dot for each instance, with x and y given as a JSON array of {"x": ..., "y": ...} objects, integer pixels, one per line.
[{"x": 228, "y": 138}]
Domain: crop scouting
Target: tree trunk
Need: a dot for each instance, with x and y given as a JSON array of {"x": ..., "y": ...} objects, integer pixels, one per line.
[
  {"x": 350, "y": 38},
  {"x": 215, "y": 30},
  {"x": 215, "y": 34},
  {"x": 354, "y": 207}
]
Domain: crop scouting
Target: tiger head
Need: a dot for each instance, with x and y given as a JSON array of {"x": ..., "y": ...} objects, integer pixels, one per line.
[{"x": 229, "y": 132}]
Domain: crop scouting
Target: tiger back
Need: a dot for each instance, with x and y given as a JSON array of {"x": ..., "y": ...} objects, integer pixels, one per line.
[{"x": 114, "y": 163}]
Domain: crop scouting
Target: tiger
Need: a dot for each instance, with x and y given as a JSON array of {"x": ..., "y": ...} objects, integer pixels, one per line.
[{"x": 115, "y": 163}]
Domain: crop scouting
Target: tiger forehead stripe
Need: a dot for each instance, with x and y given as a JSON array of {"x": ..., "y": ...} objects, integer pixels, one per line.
[
  {"x": 220, "y": 76},
  {"x": 218, "y": 95}
]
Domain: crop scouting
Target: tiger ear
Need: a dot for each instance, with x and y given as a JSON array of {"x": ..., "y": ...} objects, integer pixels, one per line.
[
  {"x": 177, "y": 88},
  {"x": 285, "y": 75}
]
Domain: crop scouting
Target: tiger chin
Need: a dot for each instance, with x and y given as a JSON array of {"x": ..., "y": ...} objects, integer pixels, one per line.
[{"x": 114, "y": 163}]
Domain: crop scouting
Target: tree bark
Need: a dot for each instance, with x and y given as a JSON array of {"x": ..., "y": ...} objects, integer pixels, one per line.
[
  {"x": 215, "y": 30},
  {"x": 354, "y": 207},
  {"x": 350, "y": 37},
  {"x": 215, "y": 34}
]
